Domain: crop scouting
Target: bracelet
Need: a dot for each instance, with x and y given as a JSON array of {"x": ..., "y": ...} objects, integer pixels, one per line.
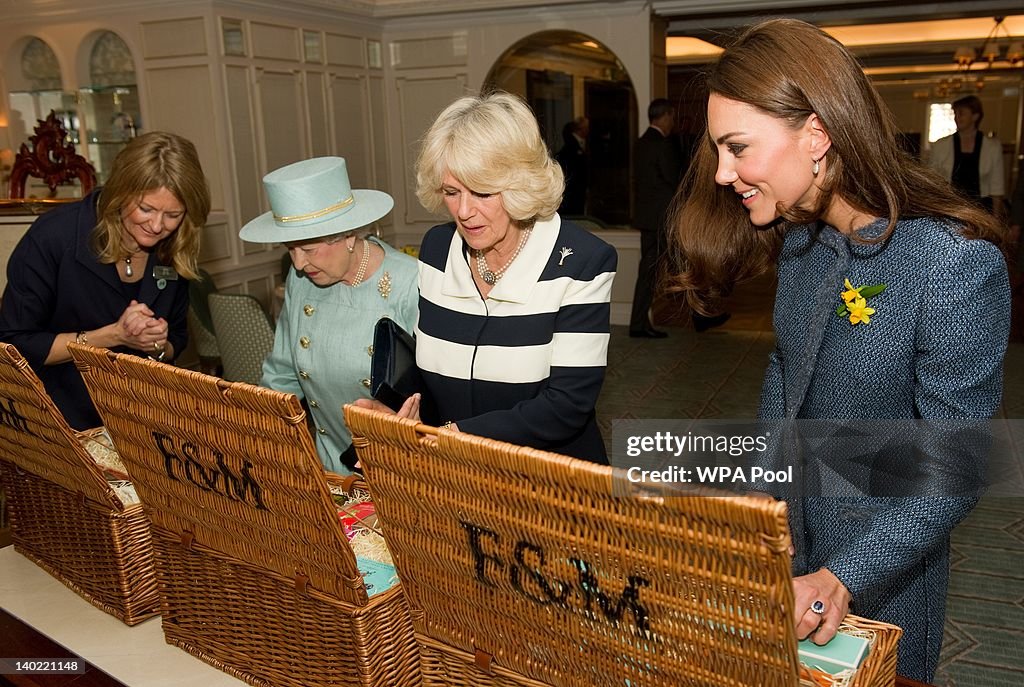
[
  {"x": 159, "y": 357},
  {"x": 81, "y": 338},
  {"x": 447, "y": 425}
]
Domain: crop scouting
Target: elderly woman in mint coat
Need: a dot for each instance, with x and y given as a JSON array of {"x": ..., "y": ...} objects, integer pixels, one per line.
[
  {"x": 800, "y": 167},
  {"x": 341, "y": 284}
]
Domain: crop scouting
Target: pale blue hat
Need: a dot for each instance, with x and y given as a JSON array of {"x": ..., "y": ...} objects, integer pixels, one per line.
[{"x": 314, "y": 198}]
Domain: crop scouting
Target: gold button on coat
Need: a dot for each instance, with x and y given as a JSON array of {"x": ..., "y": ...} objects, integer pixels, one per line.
[
  {"x": 321, "y": 430},
  {"x": 365, "y": 382},
  {"x": 304, "y": 342},
  {"x": 303, "y": 374},
  {"x": 369, "y": 351},
  {"x": 309, "y": 310},
  {"x": 314, "y": 404}
]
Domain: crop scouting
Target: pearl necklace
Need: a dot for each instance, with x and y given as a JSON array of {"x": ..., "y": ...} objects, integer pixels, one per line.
[
  {"x": 491, "y": 277},
  {"x": 363, "y": 262}
]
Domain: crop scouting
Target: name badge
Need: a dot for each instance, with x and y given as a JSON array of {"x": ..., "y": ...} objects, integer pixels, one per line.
[{"x": 164, "y": 272}]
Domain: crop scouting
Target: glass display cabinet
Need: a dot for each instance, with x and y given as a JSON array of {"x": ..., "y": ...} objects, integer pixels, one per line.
[{"x": 99, "y": 118}]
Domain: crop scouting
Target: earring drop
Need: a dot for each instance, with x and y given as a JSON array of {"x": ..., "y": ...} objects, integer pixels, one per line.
[
  {"x": 351, "y": 245},
  {"x": 816, "y": 168}
]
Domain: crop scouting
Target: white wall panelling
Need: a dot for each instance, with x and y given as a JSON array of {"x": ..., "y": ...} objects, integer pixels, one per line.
[
  {"x": 436, "y": 51},
  {"x": 282, "y": 117},
  {"x": 180, "y": 100},
  {"x": 185, "y": 37},
  {"x": 350, "y": 103},
  {"x": 215, "y": 241},
  {"x": 318, "y": 125},
  {"x": 420, "y": 100},
  {"x": 375, "y": 84},
  {"x": 345, "y": 51},
  {"x": 249, "y": 187},
  {"x": 275, "y": 42}
]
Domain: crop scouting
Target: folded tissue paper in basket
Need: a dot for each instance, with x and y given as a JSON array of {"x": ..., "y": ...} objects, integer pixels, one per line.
[
  {"x": 378, "y": 577},
  {"x": 843, "y": 652}
]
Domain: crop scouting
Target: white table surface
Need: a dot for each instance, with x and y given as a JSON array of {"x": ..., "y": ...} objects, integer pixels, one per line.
[{"x": 137, "y": 656}]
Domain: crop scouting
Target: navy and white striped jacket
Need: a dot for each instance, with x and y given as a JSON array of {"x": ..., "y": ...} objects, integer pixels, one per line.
[{"x": 525, "y": 365}]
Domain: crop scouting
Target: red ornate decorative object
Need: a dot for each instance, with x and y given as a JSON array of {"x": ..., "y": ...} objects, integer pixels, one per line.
[{"x": 50, "y": 156}]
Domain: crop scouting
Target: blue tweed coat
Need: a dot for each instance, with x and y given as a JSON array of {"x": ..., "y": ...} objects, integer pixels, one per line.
[{"x": 933, "y": 350}]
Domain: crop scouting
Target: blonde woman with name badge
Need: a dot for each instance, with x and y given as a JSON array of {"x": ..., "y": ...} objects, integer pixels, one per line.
[{"x": 110, "y": 270}]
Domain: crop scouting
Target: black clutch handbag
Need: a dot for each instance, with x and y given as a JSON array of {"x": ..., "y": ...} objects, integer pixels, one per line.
[{"x": 394, "y": 376}]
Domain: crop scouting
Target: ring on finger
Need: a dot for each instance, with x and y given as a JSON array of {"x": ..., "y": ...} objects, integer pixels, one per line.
[{"x": 818, "y": 607}]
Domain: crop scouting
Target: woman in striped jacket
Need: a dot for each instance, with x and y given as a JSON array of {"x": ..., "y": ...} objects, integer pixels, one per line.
[{"x": 513, "y": 329}]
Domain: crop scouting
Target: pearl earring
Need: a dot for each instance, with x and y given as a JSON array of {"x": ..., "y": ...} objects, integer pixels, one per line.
[{"x": 816, "y": 168}]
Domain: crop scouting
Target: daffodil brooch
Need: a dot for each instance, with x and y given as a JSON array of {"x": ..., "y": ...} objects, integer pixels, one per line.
[{"x": 855, "y": 302}]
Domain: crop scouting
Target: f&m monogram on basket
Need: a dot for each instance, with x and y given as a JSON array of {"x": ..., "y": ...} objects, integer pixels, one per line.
[
  {"x": 581, "y": 595},
  {"x": 9, "y": 417},
  {"x": 183, "y": 461}
]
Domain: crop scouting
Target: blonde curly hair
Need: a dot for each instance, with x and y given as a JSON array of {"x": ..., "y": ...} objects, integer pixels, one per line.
[{"x": 491, "y": 143}]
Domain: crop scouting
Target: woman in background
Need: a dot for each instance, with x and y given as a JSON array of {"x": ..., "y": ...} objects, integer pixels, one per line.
[
  {"x": 968, "y": 158},
  {"x": 110, "y": 270}
]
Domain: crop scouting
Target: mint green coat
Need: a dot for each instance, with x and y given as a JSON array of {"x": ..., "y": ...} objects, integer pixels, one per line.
[{"x": 322, "y": 344}]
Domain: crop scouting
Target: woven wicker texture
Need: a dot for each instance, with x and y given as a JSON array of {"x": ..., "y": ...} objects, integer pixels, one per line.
[
  {"x": 64, "y": 515},
  {"x": 244, "y": 335},
  {"x": 528, "y": 562},
  {"x": 256, "y": 577}
]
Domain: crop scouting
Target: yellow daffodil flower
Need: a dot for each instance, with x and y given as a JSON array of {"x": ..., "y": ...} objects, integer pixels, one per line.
[
  {"x": 851, "y": 294},
  {"x": 855, "y": 302},
  {"x": 859, "y": 310}
]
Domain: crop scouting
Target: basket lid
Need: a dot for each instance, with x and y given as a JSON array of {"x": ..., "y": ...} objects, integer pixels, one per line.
[
  {"x": 533, "y": 561},
  {"x": 35, "y": 436},
  {"x": 227, "y": 466}
]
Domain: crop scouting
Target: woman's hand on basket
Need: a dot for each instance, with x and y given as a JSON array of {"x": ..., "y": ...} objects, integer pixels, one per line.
[
  {"x": 834, "y": 598},
  {"x": 410, "y": 409}
]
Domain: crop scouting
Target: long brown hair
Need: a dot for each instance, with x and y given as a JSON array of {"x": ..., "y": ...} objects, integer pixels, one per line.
[
  {"x": 149, "y": 162},
  {"x": 790, "y": 69}
]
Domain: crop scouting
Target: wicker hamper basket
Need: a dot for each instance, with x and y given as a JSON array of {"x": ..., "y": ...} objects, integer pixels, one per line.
[
  {"x": 523, "y": 568},
  {"x": 64, "y": 515},
  {"x": 256, "y": 577}
]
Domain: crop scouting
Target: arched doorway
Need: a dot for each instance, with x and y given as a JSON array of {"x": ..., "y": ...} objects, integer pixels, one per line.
[{"x": 564, "y": 76}]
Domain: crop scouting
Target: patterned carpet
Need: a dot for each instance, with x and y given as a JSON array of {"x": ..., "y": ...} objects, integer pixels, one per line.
[{"x": 717, "y": 374}]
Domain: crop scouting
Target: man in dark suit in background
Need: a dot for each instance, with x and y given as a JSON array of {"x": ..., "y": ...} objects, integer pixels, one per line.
[
  {"x": 575, "y": 162},
  {"x": 658, "y": 166}
]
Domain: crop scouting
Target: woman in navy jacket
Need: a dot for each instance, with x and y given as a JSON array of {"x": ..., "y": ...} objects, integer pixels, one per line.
[
  {"x": 892, "y": 309},
  {"x": 109, "y": 270}
]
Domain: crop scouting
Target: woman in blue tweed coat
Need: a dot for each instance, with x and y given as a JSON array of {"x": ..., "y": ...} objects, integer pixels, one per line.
[{"x": 801, "y": 167}]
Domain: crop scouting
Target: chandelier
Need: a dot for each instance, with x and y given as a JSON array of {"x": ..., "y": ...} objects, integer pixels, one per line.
[{"x": 992, "y": 49}]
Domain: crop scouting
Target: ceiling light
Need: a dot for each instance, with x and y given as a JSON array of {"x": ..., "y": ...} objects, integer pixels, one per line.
[{"x": 991, "y": 49}]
